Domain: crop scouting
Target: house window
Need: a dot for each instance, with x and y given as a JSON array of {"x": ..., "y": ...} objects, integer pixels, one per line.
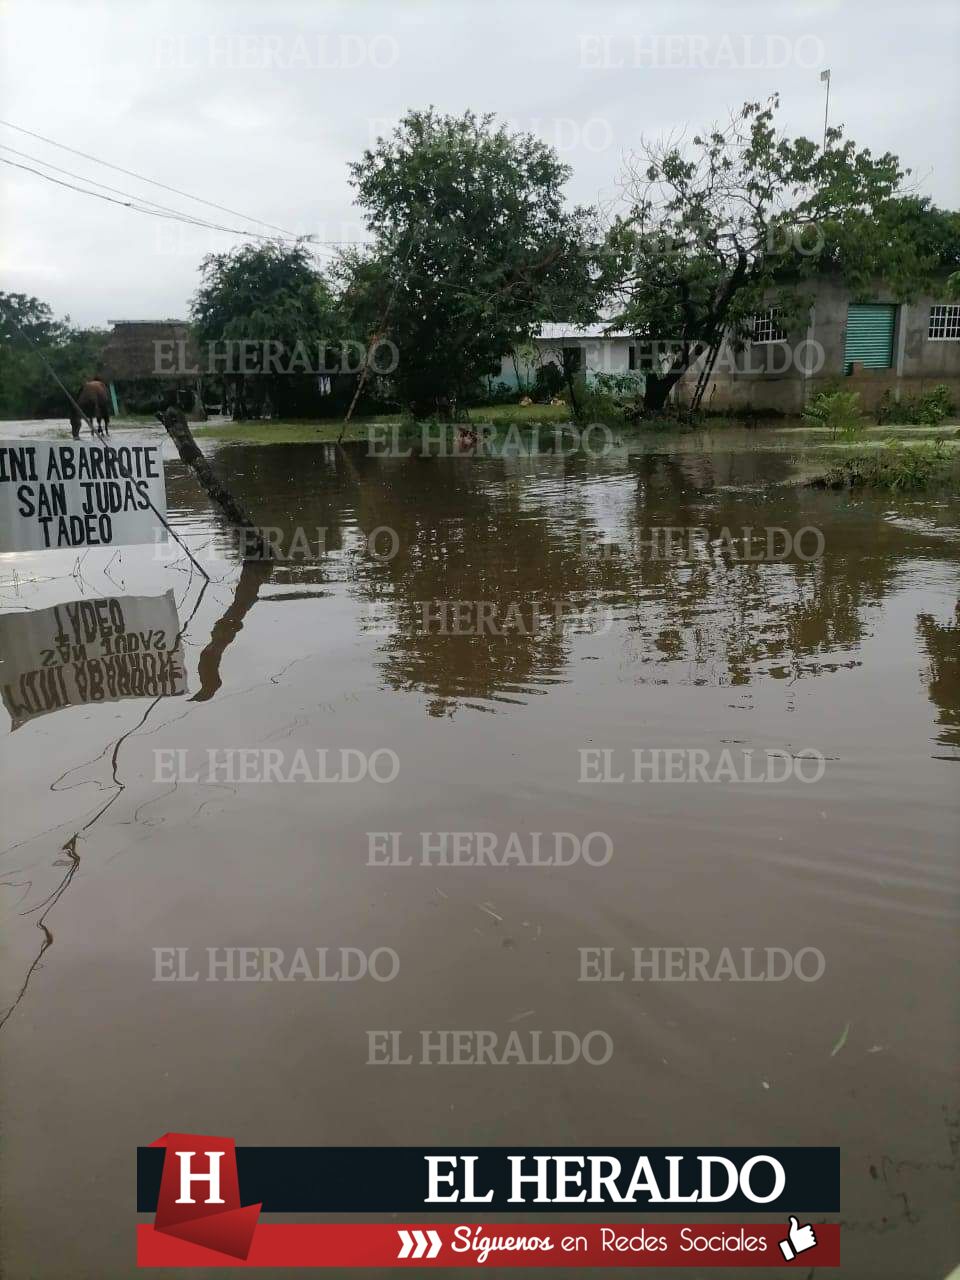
[
  {"x": 631, "y": 356},
  {"x": 944, "y": 323},
  {"x": 572, "y": 359},
  {"x": 766, "y": 326}
]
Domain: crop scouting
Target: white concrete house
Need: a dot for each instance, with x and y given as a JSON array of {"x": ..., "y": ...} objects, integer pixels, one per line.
[{"x": 597, "y": 352}]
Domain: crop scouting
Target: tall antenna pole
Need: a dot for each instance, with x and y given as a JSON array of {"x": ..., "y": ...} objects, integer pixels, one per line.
[{"x": 825, "y": 77}]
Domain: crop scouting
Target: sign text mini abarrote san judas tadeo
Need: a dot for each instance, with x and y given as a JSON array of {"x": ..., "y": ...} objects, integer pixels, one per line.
[{"x": 80, "y": 494}]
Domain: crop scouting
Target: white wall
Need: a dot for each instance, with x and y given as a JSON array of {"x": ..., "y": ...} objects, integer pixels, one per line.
[{"x": 601, "y": 355}]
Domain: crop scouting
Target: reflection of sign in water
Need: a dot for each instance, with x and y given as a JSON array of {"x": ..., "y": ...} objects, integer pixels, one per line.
[
  {"x": 80, "y": 494},
  {"x": 90, "y": 651}
]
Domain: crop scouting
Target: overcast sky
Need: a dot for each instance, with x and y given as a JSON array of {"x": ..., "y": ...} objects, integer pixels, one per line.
[{"x": 259, "y": 108}]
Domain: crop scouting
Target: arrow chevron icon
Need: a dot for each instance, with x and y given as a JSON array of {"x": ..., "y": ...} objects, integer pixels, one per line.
[{"x": 413, "y": 1244}]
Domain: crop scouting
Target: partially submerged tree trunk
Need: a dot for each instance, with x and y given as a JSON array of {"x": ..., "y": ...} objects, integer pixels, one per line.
[{"x": 179, "y": 431}]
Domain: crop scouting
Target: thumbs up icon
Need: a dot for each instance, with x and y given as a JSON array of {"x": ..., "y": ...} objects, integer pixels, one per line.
[{"x": 799, "y": 1240}]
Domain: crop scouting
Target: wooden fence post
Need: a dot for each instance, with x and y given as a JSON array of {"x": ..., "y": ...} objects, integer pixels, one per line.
[{"x": 179, "y": 432}]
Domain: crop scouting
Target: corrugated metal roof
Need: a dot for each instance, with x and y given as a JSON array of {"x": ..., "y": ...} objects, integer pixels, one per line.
[
  {"x": 165, "y": 320},
  {"x": 551, "y": 330}
]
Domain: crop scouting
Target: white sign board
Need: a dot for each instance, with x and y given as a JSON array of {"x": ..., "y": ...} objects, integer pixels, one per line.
[
  {"x": 80, "y": 494},
  {"x": 90, "y": 651}
]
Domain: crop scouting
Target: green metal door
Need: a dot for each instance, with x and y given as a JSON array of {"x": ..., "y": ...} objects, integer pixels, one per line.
[{"x": 870, "y": 335}]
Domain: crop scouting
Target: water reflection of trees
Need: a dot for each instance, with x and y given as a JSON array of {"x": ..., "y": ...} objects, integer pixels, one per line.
[
  {"x": 469, "y": 533},
  {"x": 525, "y": 531},
  {"x": 941, "y": 642}
]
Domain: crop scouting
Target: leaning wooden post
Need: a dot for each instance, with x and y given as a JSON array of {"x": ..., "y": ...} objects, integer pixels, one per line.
[{"x": 179, "y": 432}]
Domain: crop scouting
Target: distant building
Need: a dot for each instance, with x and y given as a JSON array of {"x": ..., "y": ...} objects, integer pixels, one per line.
[
  {"x": 871, "y": 347},
  {"x": 591, "y": 351},
  {"x": 149, "y": 349},
  {"x": 144, "y": 356}
]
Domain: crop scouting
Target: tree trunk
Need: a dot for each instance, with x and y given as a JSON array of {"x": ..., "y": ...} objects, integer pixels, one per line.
[
  {"x": 657, "y": 388},
  {"x": 575, "y": 406},
  {"x": 705, "y": 374},
  {"x": 239, "y": 399},
  {"x": 181, "y": 435},
  {"x": 441, "y": 407}
]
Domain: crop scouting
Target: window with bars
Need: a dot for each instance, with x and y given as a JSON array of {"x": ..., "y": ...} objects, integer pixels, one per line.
[
  {"x": 766, "y": 326},
  {"x": 944, "y": 323}
]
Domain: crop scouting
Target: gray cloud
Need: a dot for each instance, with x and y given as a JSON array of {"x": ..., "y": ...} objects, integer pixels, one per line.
[{"x": 259, "y": 107}]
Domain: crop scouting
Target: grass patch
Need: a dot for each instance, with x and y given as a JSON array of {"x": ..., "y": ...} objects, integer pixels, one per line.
[
  {"x": 504, "y": 418},
  {"x": 519, "y": 414},
  {"x": 271, "y": 431},
  {"x": 896, "y": 467}
]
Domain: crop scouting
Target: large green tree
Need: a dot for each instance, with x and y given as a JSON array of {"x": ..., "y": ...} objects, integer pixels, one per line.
[
  {"x": 32, "y": 341},
  {"x": 270, "y": 293},
  {"x": 473, "y": 246},
  {"x": 742, "y": 217}
]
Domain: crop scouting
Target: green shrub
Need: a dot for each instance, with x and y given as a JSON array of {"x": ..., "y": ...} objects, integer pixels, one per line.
[
  {"x": 495, "y": 393},
  {"x": 910, "y": 466},
  {"x": 896, "y": 467},
  {"x": 887, "y": 409},
  {"x": 934, "y": 406},
  {"x": 549, "y": 381},
  {"x": 838, "y": 410},
  {"x": 930, "y": 409},
  {"x": 621, "y": 386},
  {"x": 595, "y": 406}
]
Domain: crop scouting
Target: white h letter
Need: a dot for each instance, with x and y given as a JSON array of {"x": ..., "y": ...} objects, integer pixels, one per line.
[{"x": 213, "y": 1177}]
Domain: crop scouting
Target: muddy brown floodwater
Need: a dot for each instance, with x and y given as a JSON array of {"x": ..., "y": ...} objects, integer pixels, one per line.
[{"x": 114, "y": 845}]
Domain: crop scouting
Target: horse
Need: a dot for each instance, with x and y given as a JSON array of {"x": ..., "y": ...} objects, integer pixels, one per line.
[{"x": 92, "y": 401}]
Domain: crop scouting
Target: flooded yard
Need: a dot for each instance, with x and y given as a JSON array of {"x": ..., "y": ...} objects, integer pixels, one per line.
[{"x": 517, "y": 649}]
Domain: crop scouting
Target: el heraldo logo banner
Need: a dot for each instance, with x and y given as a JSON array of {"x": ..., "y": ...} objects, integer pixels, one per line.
[{"x": 210, "y": 1200}]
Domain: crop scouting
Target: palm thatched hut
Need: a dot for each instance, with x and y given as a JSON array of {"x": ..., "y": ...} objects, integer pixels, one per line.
[{"x": 149, "y": 361}]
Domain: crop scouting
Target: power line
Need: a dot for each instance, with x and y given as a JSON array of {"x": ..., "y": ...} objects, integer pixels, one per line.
[
  {"x": 320, "y": 246},
  {"x": 153, "y": 182},
  {"x": 317, "y": 249},
  {"x": 138, "y": 203},
  {"x": 140, "y": 200},
  {"x": 157, "y": 212}
]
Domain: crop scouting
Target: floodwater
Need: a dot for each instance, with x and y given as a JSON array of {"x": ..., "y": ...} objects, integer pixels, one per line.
[{"x": 851, "y": 655}]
